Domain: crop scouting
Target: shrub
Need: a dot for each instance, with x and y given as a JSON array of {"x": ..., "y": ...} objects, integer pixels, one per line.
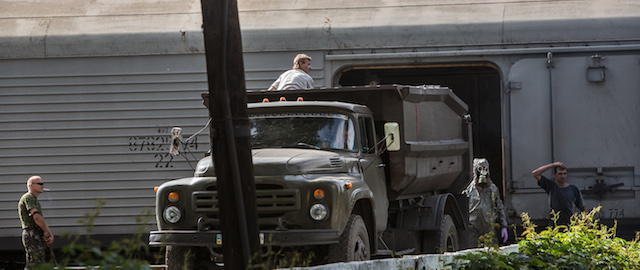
[
  {"x": 118, "y": 255},
  {"x": 584, "y": 244}
]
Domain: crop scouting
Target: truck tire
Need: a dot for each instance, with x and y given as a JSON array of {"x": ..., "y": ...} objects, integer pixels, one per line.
[
  {"x": 443, "y": 240},
  {"x": 179, "y": 257},
  {"x": 189, "y": 258},
  {"x": 353, "y": 244}
]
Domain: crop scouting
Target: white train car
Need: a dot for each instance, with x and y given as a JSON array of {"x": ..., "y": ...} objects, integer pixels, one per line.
[{"x": 89, "y": 92}]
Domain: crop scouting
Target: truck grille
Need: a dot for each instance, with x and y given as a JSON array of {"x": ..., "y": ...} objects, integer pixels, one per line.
[{"x": 271, "y": 200}]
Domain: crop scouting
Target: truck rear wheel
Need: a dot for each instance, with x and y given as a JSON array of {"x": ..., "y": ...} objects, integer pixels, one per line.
[
  {"x": 354, "y": 242},
  {"x": 443, "y": 240}
]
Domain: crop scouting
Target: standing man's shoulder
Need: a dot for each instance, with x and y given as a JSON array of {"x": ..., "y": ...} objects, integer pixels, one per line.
[
  {"x": 290, "y": 72},
  {"x": 303, "y": 79},
  {"x": 27, "y": 197},
  {"x": 546, "y": 183},
  {"x": 299, "y": 73},
  {"x": 28, "y": 201},
  {"x": 575, "y": 187}
]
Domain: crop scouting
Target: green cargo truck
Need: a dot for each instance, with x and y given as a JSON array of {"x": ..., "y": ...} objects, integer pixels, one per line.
[{"x": 345, "y": 173}]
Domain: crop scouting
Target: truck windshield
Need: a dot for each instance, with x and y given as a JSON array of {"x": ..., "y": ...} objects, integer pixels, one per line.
[{"x": 302, "y": 129}]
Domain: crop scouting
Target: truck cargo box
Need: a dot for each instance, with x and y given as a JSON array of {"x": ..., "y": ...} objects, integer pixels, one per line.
[{"x": 435, "y": 153}]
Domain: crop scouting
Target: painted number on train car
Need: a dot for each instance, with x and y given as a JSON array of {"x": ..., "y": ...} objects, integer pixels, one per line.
[
  {"x": 157, "y": 143},
  {"x": 159, "y": 146},
  {"x": 164, "y": 160},
  {"x": 616, "y": 213}
]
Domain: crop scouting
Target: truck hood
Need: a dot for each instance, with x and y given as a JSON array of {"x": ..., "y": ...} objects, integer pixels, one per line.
[
  {"x": 287, "y": 161},
  {"x": 279, "y": 161}
]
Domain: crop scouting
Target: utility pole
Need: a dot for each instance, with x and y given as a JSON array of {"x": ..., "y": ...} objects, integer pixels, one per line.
[{"x": 230, "y": 130}]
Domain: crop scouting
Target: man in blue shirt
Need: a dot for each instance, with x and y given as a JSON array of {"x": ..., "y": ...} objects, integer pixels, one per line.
[{"x": 562, "y": 195}]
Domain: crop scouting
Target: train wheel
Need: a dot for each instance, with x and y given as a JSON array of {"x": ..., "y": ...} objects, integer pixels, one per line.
[{"x": 354, "y": 242}]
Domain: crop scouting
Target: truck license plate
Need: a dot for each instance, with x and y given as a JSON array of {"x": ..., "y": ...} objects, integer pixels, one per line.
[{"x": 219, "y": 239}]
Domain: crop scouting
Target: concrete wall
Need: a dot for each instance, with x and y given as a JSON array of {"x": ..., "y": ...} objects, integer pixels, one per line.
[{"x": 417, "y": 262}]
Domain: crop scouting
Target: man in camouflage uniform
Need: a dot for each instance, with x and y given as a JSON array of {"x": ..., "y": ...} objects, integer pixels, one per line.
[
  {"x": 36, "y": 235},
  {"x": 486, "y": 210}
]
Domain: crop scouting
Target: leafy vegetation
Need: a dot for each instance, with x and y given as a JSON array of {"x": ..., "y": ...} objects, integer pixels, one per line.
[
  {"x": 87, "y": 252},
  {"x": 583, "y": 244},
  {"x": 123, "y": 254},
  {"x": 283, "y": 259}
]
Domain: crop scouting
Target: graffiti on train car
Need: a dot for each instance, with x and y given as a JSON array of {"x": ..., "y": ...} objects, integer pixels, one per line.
[
  {"x": 151, "y": 143},
  {"x": 159, "y": 146}
]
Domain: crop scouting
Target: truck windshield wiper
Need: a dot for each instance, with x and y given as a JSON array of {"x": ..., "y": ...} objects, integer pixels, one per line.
[{"x": 306, "y": 145}]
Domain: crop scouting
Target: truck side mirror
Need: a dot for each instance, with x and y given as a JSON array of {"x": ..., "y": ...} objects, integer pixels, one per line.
[{"x": 392, "y": 133}]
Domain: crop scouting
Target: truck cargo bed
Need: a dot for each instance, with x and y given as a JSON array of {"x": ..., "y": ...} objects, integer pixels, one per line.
[{"x": 430, "y": 160}]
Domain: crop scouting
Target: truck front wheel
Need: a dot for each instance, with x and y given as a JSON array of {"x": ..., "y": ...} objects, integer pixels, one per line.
[
  {"x": 443, "y": 240},
  {"x": 193, "y": 258},
  {"x": 353, "y": 244},
  {"x": 178, "y": 257}
]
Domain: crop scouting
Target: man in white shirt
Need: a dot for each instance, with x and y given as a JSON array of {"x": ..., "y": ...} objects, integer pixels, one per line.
[{"x": 296, "y": 78}]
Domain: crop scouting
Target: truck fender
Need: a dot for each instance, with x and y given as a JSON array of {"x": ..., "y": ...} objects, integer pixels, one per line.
[
  {"x": 363, "y": 204},
  {"x": 448, "y": 204},
  {"x": 428, "y": 213}
]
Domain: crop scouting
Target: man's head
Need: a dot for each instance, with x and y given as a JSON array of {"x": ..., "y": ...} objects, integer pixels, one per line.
[
  {"x": 560, "y": 174},
  {"x": 35, "y": 185},
  {"x": 303, "y": 62}
]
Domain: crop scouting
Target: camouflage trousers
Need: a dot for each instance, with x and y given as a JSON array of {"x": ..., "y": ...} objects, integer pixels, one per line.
[{"x": 34, "y": 248}]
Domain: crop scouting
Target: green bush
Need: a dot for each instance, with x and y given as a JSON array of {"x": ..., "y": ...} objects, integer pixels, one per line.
[
  {"x": 584, "y": 244},
  {"x": 91, "y": 253}
]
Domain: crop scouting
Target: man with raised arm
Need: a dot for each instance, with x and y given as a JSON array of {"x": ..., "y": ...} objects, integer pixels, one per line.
[{"x": 562, "y": 195}]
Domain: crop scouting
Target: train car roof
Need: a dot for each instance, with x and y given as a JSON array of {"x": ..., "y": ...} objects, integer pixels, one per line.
[{"x": 69, "y": 28}]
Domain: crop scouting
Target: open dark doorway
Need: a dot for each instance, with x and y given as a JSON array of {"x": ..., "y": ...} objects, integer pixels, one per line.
[{"x": 476, "y": 84}]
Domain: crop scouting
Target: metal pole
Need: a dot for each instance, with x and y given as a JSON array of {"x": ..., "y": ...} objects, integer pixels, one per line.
[
  {"x": 231, "y": 145},
  {"x": 550, "y": 67}
]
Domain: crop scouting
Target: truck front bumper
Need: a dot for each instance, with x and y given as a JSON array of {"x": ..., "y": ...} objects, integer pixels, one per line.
[{"x": 267, "y": 238}]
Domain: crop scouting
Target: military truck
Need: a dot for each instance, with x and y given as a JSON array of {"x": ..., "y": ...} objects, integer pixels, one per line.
[{"x": 345, "y": 173}]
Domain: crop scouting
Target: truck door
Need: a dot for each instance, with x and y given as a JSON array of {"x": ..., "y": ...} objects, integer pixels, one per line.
[{"x": 374, "y": 171}]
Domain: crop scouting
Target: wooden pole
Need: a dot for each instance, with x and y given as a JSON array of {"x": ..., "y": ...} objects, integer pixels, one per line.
[{"x": 230, "y": 130}]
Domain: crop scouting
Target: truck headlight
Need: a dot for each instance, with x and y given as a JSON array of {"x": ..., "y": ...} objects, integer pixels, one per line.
[
  {"x": 172, "y": 214},
  {"x": 318, "y": 211}
]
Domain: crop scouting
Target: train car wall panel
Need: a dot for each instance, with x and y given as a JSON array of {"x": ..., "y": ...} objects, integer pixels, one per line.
[
  {"x": 593, "y": 127},
  {"x": 97, "y": 129},
  {"x": 88, "y": 94}
]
